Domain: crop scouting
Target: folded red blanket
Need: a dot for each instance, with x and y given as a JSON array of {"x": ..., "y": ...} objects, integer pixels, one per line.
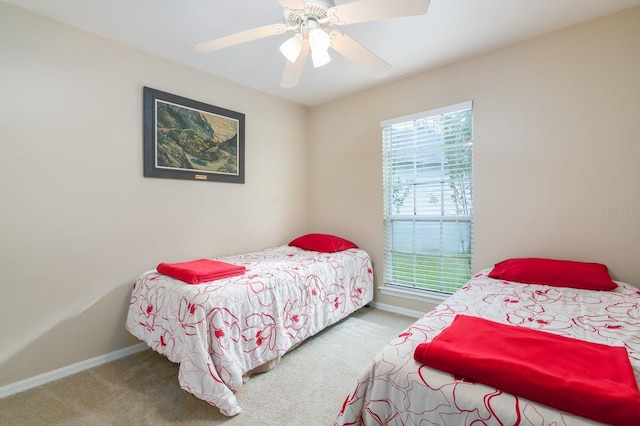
[
  {"x": 588, "y": 379},
  {"x": 200, "y": 271}
]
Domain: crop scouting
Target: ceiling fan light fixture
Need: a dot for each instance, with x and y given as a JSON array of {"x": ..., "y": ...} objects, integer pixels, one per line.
[
  {"x": 292, "y": 47},
  {"x": 312, "y": 21}
]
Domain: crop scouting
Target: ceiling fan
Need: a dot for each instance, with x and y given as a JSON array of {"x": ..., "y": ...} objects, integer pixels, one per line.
[{"x": 311, "y": 21}]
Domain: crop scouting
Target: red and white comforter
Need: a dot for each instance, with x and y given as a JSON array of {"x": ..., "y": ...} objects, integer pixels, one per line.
[
  {"x": 394, "y": 389},
  {"x": 219, "y": 330}
]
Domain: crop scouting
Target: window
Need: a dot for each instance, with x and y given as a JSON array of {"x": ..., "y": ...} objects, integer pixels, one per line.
[{"x": 428, "y": 200}]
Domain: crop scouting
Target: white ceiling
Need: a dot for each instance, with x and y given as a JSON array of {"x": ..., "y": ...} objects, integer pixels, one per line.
[{"x": 451, "y": 30}]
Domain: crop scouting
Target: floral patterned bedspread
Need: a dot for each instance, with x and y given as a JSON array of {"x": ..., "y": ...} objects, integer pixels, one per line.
[
  {"x": 396, "y": 390},
  {"x": 219, "y": 330}
]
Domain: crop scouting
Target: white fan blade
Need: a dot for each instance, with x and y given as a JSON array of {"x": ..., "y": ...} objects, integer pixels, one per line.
[
  {"x": 375, "y": 10},
  {"x": 242, "y": 37},
  {"x": 360, "y": 55},
  {"x": 293, "y": 70},
  {"x": 293, "y": 4}
]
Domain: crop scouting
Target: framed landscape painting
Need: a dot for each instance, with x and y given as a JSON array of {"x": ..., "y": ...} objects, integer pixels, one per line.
[{"x": 187, "y": 139}]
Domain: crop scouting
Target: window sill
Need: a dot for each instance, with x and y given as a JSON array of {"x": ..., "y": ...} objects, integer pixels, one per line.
[{"x": 419, "y": 295}]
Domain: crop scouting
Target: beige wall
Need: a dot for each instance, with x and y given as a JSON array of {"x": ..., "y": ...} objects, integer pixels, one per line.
[
  {"x": 557, "y": 144},
  {"x": 79, "y": 222}
]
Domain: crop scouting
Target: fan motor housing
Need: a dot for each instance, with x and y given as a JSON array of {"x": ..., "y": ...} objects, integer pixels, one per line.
[{"x": 316, "y": 10}]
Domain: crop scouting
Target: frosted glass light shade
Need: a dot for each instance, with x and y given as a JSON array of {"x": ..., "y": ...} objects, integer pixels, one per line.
[
  {"x": 291, "y": 48},
  {"x": 318, "y": 39},
  {"x": 320, "y": 57}
]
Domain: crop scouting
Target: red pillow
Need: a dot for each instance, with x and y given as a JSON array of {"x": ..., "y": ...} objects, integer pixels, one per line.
[
  {"x": 558, "y": 273},
  {"x": 322, "y": 242}
]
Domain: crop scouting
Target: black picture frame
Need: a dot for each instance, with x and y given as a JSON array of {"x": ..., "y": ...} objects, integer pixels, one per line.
[{"x": 188, "y": 139}]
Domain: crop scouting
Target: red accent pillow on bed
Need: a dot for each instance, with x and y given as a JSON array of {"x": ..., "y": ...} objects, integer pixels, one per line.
[
  {"x": 322, "y": 242},
  {"x": 558, "y": 273}
]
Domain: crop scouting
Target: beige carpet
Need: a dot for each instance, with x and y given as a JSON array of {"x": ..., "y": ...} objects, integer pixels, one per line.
[{"x": 306, "y": 388}]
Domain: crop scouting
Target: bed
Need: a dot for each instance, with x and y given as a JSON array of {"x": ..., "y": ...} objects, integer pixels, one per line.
[
  {"x": 222, "y": 331},
  {"x": 396, "y": 389}
]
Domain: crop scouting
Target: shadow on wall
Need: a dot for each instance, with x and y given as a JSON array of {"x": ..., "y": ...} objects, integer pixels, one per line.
[{"x": 92, "y": 328}]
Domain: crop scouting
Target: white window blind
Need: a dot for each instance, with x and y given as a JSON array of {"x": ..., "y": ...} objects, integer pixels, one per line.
[{"x": 428, "y": 199}]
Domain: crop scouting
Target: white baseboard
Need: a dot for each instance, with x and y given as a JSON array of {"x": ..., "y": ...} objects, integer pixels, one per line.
[
  {"x": 60, "y": 373},
  {"x": 397, "y": 310}
]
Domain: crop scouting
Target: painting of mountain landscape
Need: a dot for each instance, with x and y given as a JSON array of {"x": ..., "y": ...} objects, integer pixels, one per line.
[{"x": 194, "y": 140}]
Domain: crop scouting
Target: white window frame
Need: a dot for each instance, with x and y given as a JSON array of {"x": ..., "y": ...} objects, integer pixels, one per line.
[{"x": 415, "y": 291}]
